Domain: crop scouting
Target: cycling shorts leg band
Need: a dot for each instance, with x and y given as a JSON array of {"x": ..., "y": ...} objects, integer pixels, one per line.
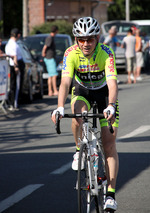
[
  {"x": 104, "y": 122},
  {"x": 80, "y": 98}
]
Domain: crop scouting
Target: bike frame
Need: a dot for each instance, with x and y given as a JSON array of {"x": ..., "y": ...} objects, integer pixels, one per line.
[{"x": 92, "y": 173}]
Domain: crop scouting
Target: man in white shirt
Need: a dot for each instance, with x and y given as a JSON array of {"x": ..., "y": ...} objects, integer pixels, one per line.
[
  {"x": 16, "y": 67},
  {"x": 129, "y": 43}
]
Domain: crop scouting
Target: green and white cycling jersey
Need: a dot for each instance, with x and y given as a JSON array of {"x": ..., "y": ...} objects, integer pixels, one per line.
[{"x": 90, "y": 73}]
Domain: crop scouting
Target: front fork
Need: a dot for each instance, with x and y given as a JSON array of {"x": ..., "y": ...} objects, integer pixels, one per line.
[{"x": 94, "y": 161}]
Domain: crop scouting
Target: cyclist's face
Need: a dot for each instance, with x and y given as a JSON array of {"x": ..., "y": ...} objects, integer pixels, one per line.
[{"x": 87, "y": 44}]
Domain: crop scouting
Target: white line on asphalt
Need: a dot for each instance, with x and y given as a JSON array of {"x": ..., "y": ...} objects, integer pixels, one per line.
[
  {"x": 17, "y": 196},
  {"x": 62, "y": 169},
  {"x": 137, "y": 131}
]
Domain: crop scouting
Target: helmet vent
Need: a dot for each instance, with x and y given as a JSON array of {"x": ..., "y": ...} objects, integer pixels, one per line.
[
  {"x": 92, "y": 31},
  {"x": 84, "y": 27}
]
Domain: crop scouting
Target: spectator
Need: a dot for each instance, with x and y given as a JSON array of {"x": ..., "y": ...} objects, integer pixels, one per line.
[
  {"x": 128, "y": 43},
  {"x": 139, "y": 55},
  {"x": 111, "y": 40},
  {"x": 16, "y": 68},
  {"x": 48, "y": 53}
]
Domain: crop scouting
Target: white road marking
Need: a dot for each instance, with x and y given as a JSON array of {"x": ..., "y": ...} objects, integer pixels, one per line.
[
  {"x": 62, "y": 169},
  {"x": 137, "y": 131},
  {"x": 17, "y": 196}
]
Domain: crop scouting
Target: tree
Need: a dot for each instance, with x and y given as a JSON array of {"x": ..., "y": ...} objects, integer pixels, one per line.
[
  {"x": 12, "y": 15},
  {"x": 64, "y": 27},
  {"x": 138, "y": 10}
]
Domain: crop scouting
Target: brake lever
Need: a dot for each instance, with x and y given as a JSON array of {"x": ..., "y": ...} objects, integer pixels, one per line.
[
  {"x": 109, "y": 124},
  {"x": 57, "y": 125}
]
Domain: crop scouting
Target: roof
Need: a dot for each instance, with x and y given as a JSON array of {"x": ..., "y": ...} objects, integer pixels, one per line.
[{"x": 142, "y": 22}]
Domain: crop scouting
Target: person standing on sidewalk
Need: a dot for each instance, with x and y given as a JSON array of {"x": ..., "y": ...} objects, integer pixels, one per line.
[
  {"x": 48, "y": 53},
  {"x": 139, "y": 55},
  {"x": 16, "y": 63},
  {"x": 128, "y": 43},
  {"x": 111, "y": 40}
]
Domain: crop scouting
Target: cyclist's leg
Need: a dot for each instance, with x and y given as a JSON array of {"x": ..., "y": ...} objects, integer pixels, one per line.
[
  {"x": 77, "y": 107},
  {"x": 112, "y": 164},
  {"x": 109, "y": 145},
  {"x": 111, "y": 155},
  {"x": 79, "y": 103}
]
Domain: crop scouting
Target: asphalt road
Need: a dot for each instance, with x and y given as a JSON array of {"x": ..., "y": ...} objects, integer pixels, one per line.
[{"x": 35, "y": 163}]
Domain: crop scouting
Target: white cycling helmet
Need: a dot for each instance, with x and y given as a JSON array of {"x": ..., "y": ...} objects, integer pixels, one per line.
[{"x": 86, "y": 26}]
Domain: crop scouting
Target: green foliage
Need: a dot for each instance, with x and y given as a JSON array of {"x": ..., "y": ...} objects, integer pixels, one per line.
[
  {"x": 12, "y": 15},
  {"x": 64, "y": 27},
  {"x": 138, "y": 10}
]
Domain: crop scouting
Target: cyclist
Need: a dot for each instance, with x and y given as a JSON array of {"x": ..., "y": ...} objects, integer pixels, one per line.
[{"x": 92, "y": 67}]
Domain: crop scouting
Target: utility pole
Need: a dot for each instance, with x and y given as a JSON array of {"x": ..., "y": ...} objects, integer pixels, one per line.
[
  {"x": 25, "y": 18},
  {"x": 127, "y": 10}
]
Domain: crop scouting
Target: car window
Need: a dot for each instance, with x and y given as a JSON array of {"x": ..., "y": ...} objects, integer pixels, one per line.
[
  {"x": 25, "y": 52},
  {"x": 61, "y": 45},
  {"x": 35, "y": 44}
]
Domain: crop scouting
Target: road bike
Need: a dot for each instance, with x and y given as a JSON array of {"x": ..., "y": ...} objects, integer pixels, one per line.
[{"x": 91, "y": 183}]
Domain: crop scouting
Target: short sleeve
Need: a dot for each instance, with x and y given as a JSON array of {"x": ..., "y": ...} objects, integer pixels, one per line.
[
  {"x": 69, "y": 62},
  {"x": 110, "y": 66}
]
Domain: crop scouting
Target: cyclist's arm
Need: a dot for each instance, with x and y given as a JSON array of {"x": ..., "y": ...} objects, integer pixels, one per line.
[
  {"x": 63, "y": 93},
  {"x": 111, "y": 79},
  {"x": 113, "y": 90},
  {"x": 64, "y": 90}
]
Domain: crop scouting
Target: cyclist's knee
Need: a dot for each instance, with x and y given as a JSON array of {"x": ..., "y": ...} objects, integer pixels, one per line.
[{"x": 76, "y": 122}]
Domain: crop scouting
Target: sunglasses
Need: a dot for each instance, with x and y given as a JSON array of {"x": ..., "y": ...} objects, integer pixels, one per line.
[{"x": 89, "y": 40}]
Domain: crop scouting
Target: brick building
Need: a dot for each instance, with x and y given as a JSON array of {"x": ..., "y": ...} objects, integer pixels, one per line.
[{"x": 40, "y": 11}]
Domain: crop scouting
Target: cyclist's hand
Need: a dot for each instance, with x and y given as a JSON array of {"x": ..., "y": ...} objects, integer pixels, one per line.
[
  {"x": 109, "y": 114},
  {"x": 59, "y": 109}
]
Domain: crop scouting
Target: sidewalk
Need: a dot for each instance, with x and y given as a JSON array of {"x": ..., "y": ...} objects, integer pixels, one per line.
[{"x": 122, "y": 78}]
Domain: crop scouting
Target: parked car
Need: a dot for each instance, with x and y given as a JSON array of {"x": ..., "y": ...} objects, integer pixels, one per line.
[
  {"x": 144, "y": 26},
  {"x": 35, "y": 44},
  {"x": 122, "y": 28},
  {"x": 32, "y": 79}
]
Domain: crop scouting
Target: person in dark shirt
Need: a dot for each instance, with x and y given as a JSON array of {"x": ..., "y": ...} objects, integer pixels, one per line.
[{"x": 48, "y": 53}]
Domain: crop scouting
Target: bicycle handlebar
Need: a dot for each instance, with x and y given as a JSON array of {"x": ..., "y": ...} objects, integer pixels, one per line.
[{"x": 79, "y": 115}]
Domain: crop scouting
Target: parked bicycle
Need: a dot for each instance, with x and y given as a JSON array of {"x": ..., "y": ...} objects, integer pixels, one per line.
[{"x": 91, "y": 179}]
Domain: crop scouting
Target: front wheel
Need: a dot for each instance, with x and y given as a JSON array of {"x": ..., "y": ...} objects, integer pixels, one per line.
[
  {"x": 83, "y": 183},
  {"x": 86, "y": 202}
]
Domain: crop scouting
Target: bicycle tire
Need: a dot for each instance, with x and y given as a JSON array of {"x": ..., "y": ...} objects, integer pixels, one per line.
[
  {"x": 86, "y": 202},
  {"x": 83, "y": 182}
]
